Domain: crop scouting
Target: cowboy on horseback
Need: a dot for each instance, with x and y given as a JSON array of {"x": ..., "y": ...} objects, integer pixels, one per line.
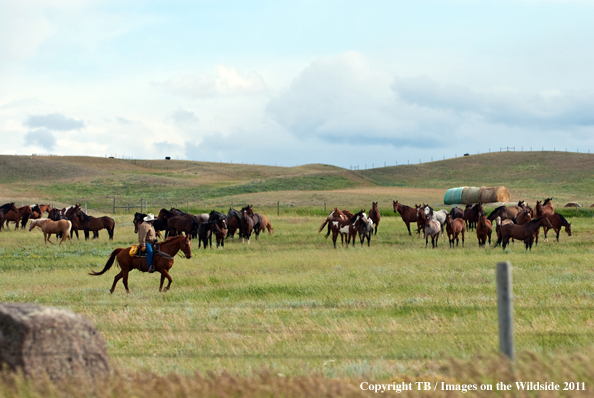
[{"x": 146, "y": 237}]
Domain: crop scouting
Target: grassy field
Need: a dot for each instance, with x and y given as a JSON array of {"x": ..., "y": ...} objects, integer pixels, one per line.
[{"x": 291, "y": 304}]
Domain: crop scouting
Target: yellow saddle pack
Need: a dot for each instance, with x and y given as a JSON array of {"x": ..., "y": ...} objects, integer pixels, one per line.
[{"x": 135, "y": 249}]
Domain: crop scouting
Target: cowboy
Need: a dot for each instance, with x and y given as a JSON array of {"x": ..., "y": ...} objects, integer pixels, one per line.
[{"x": 146, "y": 237}]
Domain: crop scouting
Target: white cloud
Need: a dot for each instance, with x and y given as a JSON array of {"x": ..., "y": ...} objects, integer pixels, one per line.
[
  {"x": 223, "y": 81},
  {"x": 54, "y": 121}
]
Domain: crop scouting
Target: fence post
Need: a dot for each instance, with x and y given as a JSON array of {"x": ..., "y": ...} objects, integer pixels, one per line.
[
  {"x": 114, "y": 205},
  {"x": 505, "y": 309}
]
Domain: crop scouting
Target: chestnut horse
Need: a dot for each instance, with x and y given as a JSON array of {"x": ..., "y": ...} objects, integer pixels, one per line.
[
  {"x": 50, "y": 227},
  {"x": 507, "y": 212},
  {"x": 484, "y": 229},
  {"x": 454, "y": 228},
  {"x": 162, "y": 261},
  {"x": 544, "y": 208},
  {"x": 375, "y": 215},
  {"x": 557, "y": 221},
  {"x": 524, "y": 232},
  {"x": 407, "y": 213}
]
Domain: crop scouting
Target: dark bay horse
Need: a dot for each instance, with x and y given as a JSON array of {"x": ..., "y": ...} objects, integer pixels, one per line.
[
  {"x": 5, "y": 208},
  {"x": 90, "y": 223},
  {"x": 162, "y": 261},
  {"x": 472, "y": 215},
  {"x": 456, "y": 212},
  {"x": 16, "y": 216},
  {"x": 524, "y": 232},
  {"x": 407, "y": 213},
  {"x": 247, "y": 225},
  {"x": 544, "y": 208},
  {"x": 374, "y": 215},
  {"x": 454, "y": 228},
  {"x": 558, "y": 222},
  {"x": 233, "y": 223},
  {"x": 507, "y": 212},
  {"x": 207, "y": 229},
  {"x": 164, "y": 215},
  {"x": 187, "y": 224},
  {"x": 484, "y": 229}
]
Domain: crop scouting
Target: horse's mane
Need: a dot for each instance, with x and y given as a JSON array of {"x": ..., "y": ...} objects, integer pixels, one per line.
[
  {"x": 498, "y": 208},
  {"x": 547, "y": 201},
  {"x": 563, "y": 220}
]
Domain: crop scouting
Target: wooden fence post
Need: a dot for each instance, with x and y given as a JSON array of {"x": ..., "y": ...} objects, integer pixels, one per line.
[
  {"x": 505, "y": 310},
  {"x": 114, "y": 205}
]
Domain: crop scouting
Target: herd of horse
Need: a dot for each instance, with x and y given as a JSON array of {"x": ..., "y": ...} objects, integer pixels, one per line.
[{"x": 518, "y": 222}]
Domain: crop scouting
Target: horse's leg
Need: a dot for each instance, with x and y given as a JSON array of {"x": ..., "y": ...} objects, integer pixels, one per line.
[
  {"x": 558, "y": 232},
  {"x": 408, "y": 227},
  {"x": 169, "y": 279},
  {"x": 334, "y": 237},
  {"x": 115, "y": 281},
  {"x": 162, "y": 280},
  {"x": 426, "y": 240},
  {"x": 125, "y": 273}
]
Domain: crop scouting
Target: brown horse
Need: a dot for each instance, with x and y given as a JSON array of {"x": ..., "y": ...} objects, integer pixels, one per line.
[
  {"x": 407, "y": 213},
  {"x": 247, "y": 225},
  {"x": 16, "y": 216},
  {"x": 5, "y": 208},
  {"x": 182, "y": 224},
  {"x": 37, "y": 211},
  {"x": 162, "y": 261},
  {"x": 233, "y": 223},
  {"x": 266, "y": 224},
  {"x": 334, "y": 215},
  {"x": 90, "y": 223},
  {"x": 484, "y": 229},
  {"x": 524, "y": 232},
  {"x": 557, "y": 221},
  {"x": 472, "y": 215},
  {"x": 507, "y": 212},
  {"x": 454, "y": 228},
  {"x": 374, "y": 215},
  {"x": 347, "y": 228},
  {"x": 457, "y": 212},
  {"x": 207, "y": 229},
  {"x": 50, "y": 227},
  {"x": 256, "y": 218},
  {"x": 544, "y": 208}
]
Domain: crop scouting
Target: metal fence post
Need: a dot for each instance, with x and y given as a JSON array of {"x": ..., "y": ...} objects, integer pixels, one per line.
[{"x": 505, "y": 310}]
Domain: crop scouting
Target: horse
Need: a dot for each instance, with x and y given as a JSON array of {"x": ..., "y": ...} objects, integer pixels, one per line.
[
  {"x": 365, "y": 231},
  {"x": 186, "y": 224},
  {"x": 17, "y": 215},
  {"x": 454, "y": 227},
  {"x": 257, "y": 218},
  {"x": 5, "y": 208},
  {"x": 333, "y": 216},
  {"x": 50, "y": 227},
  {"x": 456, "y": 212},
  {"x": 407, "y": 213},
  {"x": 266, "y": 225},
  {"x": 347, "y": 213},
  {"x": 522, "y": 217},
  {"x": 164, "y": 215},
  {"x": 507, "y": 212},
  {"x": 498, "y": 224},
  {"x": 524, "y": 232},
  {"x": 557, "y": 221},
  {"x": 90, "y": 223},
  {"x": 484, "y": 229},
  {"x": 432, "y": 228},
  {"x": 162, "y": 261},
  {"x": 472, "y": 215},
  {"x": 374, "y": 215},
  {"x": 348, "y": 228},
  {"x": 439, "y": 216},
  {"x": 233, "y": 223},
  {"x": 207, "y": 229},
  {"x": 544, "y": 208},
  {"x": 420, "y": 219},
  {"x": 247, "y": 225}
]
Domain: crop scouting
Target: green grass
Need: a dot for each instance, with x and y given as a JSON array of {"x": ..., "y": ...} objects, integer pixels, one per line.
[{"x": 291, "y": 303}]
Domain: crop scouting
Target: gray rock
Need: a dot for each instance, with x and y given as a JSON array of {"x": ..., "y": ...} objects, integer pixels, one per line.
[{"x": 58, "y": 342}]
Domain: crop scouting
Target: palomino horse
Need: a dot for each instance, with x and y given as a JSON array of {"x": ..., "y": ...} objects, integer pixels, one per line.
[
  {"x": 334, "y": 215},
  {"x": 454, "y": 228},
  {"x": 484, "y": 229},
  {"x": 544, "y": 208},
  {"x": 524, "y": 232},
  {"x": 374, "y": 215},
  {"x": 557, "y": 221},
  {"x": 347, "y": 228},
  {"x": 472, "y": 215},
  {"x": 407, "y": 213},
  {"x": 50, "y": 227},
  {"x": 5, "y": 209},
  {"x": 162, "y": 261},
  {"x": 16, "y": 216}
]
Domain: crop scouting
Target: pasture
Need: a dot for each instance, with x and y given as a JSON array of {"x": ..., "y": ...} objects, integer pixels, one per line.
[{"x": 292, "y": 304}]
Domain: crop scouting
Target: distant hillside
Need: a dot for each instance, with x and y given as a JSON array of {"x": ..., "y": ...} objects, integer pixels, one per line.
[{"x": 96, "y": 180}]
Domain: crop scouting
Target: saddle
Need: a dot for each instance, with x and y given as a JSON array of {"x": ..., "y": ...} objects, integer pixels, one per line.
[{"x": 137, "y": 252}]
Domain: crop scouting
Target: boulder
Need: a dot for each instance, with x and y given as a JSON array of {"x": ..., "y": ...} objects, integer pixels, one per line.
[{"x": 64, "y": 345}]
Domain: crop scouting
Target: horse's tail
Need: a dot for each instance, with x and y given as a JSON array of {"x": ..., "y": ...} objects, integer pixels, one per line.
[
  {"x": 109, "y": 262},
  {"x": 67, "y": 232},
  {"x": 323, "y": 225}
]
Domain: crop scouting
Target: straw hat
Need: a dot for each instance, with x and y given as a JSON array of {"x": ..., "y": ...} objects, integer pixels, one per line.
[{"x": 149, "y": 217}]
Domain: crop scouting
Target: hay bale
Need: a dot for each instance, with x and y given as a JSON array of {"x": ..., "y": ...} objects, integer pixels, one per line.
[
  {"x": 572, "y": 204},
  {"x": 494, "y": 194},
  {"x": 41, "y": 340},
  {"x": 453, "y": 196},
  {"x": 470, "y": 195}
]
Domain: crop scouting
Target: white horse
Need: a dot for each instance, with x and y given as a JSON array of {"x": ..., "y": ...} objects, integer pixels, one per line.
[
  {"x": 439, "y": 216},
  {"x": 432, "y": 230}
]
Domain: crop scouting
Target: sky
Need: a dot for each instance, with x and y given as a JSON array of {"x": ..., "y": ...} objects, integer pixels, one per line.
[{"x": 286, "y": 83}]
